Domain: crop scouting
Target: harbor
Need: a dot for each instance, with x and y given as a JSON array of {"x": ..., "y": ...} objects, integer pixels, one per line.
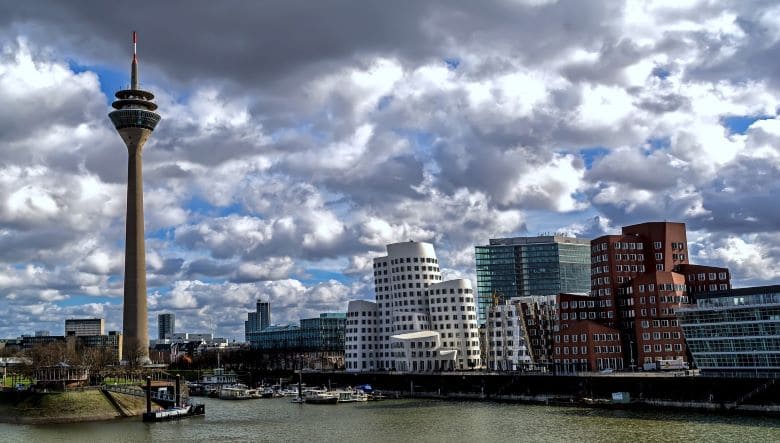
[{"x": 411, "y": 419}]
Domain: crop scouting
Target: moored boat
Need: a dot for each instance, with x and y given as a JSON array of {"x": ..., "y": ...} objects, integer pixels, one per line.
[
  {"x": 237, "y": 392},
  {"x": 321, "y": 398},
  {"x": 175, "y": 413}
]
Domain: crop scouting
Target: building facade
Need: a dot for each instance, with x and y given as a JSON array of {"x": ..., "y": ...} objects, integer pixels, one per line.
[
  {"x": 84, "y": 326},
  {"x": 166, "y": 326},
  {"x": 735, "y": 331},
  {"x": 323, "y": 333},
  {"x": 507, "y": 337},
  {"x": 110, "y": 343},
  {"x": 410, "y": 298},
  {"x": 361, "y": 348},
  {"x": 258, "y": 320},
  {"x": 530, "y": 266},
  {"x": 640, "y": 278}
]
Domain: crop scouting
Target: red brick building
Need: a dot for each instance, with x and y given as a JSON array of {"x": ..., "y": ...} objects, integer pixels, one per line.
[
  {"x": 588, "y": 346},
  {"x": 645, "y": 271}
]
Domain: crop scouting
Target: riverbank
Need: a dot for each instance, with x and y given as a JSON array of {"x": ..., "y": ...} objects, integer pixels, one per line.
[
  {"x": 67, "y": 407},
  {"x": 747, "y": 396}
]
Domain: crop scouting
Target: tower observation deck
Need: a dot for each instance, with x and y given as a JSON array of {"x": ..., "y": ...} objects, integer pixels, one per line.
[{"x": 134, "y": 118}]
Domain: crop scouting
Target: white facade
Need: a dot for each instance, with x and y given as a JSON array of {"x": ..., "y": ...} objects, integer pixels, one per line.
[
  {"x": 406, "y": 282},
  {"x": 422, "y": 352},
  {"x": 360, "y": 341},
  {"x": 84, "y": 326},
  {"x": 453, "y": 312},
  {"x": 505, "y": 338}
]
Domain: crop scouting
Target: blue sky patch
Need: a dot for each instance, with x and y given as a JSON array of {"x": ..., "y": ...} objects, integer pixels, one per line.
[
  {"x": 589, "y": 155},
  {"x": 452, "y": 63},
  {"x": 739, "y": 124},
  {"x": 313, "y": 276},
  {"x": 661, "y": 72},
  {"x": 110, "y": 80}
]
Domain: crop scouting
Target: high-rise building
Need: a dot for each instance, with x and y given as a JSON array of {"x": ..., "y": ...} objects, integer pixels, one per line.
[
  {"x": 640, "y": 278},
  {"x": 166, "y": 326},
  {"x": 258, "y": 320},
  {"x": 84, "y": 326},
  {"x": 531, "y": 266},
  {"x": 134, "y": 118},
  {"x": 414, "y": 309}
]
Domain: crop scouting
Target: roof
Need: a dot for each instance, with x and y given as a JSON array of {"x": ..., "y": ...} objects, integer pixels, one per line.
[{"x": 416, "y": 335}]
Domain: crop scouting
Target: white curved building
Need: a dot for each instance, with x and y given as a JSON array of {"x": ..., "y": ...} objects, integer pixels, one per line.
[
  {"x": 453, "y": 312},
  {"x": 360, "y": 341},
  {"x": 402, "y": 282}
]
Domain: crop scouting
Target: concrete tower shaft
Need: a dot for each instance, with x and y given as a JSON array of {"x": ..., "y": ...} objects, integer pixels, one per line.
[{"x": 135, "y": 120}]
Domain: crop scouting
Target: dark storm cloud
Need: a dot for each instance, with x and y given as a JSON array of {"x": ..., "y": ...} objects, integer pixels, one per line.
[{"x": 253, "y": 43}]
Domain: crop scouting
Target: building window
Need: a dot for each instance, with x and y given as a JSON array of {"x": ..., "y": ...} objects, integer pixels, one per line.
[{"x": 657, "y": 245}]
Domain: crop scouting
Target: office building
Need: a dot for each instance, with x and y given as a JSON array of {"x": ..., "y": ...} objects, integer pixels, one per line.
[
  {"x": 530, "y": 266},
  {"x": 166, "y": 326},
  {"x": 411, "y": 298},
  {"x": 639, "y": 279},
  {"x": 111, "y": 344},
  {"x": 734, "y": 331},
  {"x": 84, "y": 326},
  {"x": 258, "y": 320},
  {"x": 134, "y": 119}
]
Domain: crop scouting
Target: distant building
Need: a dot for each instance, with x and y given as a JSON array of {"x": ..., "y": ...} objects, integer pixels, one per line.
[
  {"x": 258, "y": 320},
  {"x": 28, "y": 341},
  {"x": 42, "y": 333},
  {"x": 111, "y": 343},
  {"x": 322, "y": 333},
  {"x": 317, "y": 343},
  {"x": 530, "y": 266},
  {"x": 734, "y": 331},
  {"x": 166, "y": 326},
  {"x": 84, "y": 326}
]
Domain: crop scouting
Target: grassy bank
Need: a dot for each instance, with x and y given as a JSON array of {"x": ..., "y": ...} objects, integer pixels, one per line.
[{"x": 70, "y": 406}]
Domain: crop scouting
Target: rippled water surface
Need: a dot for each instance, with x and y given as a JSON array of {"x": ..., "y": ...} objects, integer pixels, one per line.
[{"x": 411, "y": 421}]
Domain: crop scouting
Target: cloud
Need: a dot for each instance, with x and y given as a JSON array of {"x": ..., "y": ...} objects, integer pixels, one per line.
[{"x": 283, "y": 156}]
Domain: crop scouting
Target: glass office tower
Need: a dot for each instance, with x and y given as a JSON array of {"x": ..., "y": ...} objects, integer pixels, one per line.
[
  {"x": 735, "y": 331},
  {"x": 525, "y": 266}
]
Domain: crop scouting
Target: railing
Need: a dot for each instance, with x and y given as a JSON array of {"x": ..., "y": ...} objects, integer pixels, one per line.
[{"x": 138, "y": 392}]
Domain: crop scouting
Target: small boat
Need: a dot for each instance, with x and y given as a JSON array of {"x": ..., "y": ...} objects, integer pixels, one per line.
[
  {"x": 351, "y": 396},
  {"x": 299, "y": 400},
  {"x": 237, "y": 392},
  {"x": 322, "y": 398},
  {"x": 175, "y": 413}
]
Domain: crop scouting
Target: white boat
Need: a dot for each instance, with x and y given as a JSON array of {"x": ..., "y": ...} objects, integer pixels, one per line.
[
  {"x": 188, "y": 410},
  {"x": 219, "y": 377},
  {"x": 321, "y": 397},
  {"x": 351, "y": 396},
  {"x": 237, "y": 392}
]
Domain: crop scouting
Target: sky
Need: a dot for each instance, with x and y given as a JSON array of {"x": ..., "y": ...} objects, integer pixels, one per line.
[{"x": 298, "y": 138}]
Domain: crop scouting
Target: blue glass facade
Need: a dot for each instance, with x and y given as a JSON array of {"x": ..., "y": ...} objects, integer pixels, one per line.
[
  {"x": 323, "y": 333},
  {"x": 734, "y": 331},
  {"x": 525, "y": 266}
]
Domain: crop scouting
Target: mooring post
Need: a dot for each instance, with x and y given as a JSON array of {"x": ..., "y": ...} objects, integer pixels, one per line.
[
  {"x": 178, "y": 390},
  {"x": 148, "y": 394}
]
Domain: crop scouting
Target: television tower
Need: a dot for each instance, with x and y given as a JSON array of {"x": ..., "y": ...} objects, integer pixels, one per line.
[{"x": 135, "y": 120}]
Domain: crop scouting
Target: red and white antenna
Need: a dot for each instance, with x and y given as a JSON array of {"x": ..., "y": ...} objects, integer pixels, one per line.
[{"x": 134, "y": 44}]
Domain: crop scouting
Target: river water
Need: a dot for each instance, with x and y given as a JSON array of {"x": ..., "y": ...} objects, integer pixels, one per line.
[{"x": 278, "y": 420}]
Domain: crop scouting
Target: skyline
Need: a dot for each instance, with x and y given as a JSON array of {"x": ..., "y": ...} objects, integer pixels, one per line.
[{"x": 300, "y": 139}]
